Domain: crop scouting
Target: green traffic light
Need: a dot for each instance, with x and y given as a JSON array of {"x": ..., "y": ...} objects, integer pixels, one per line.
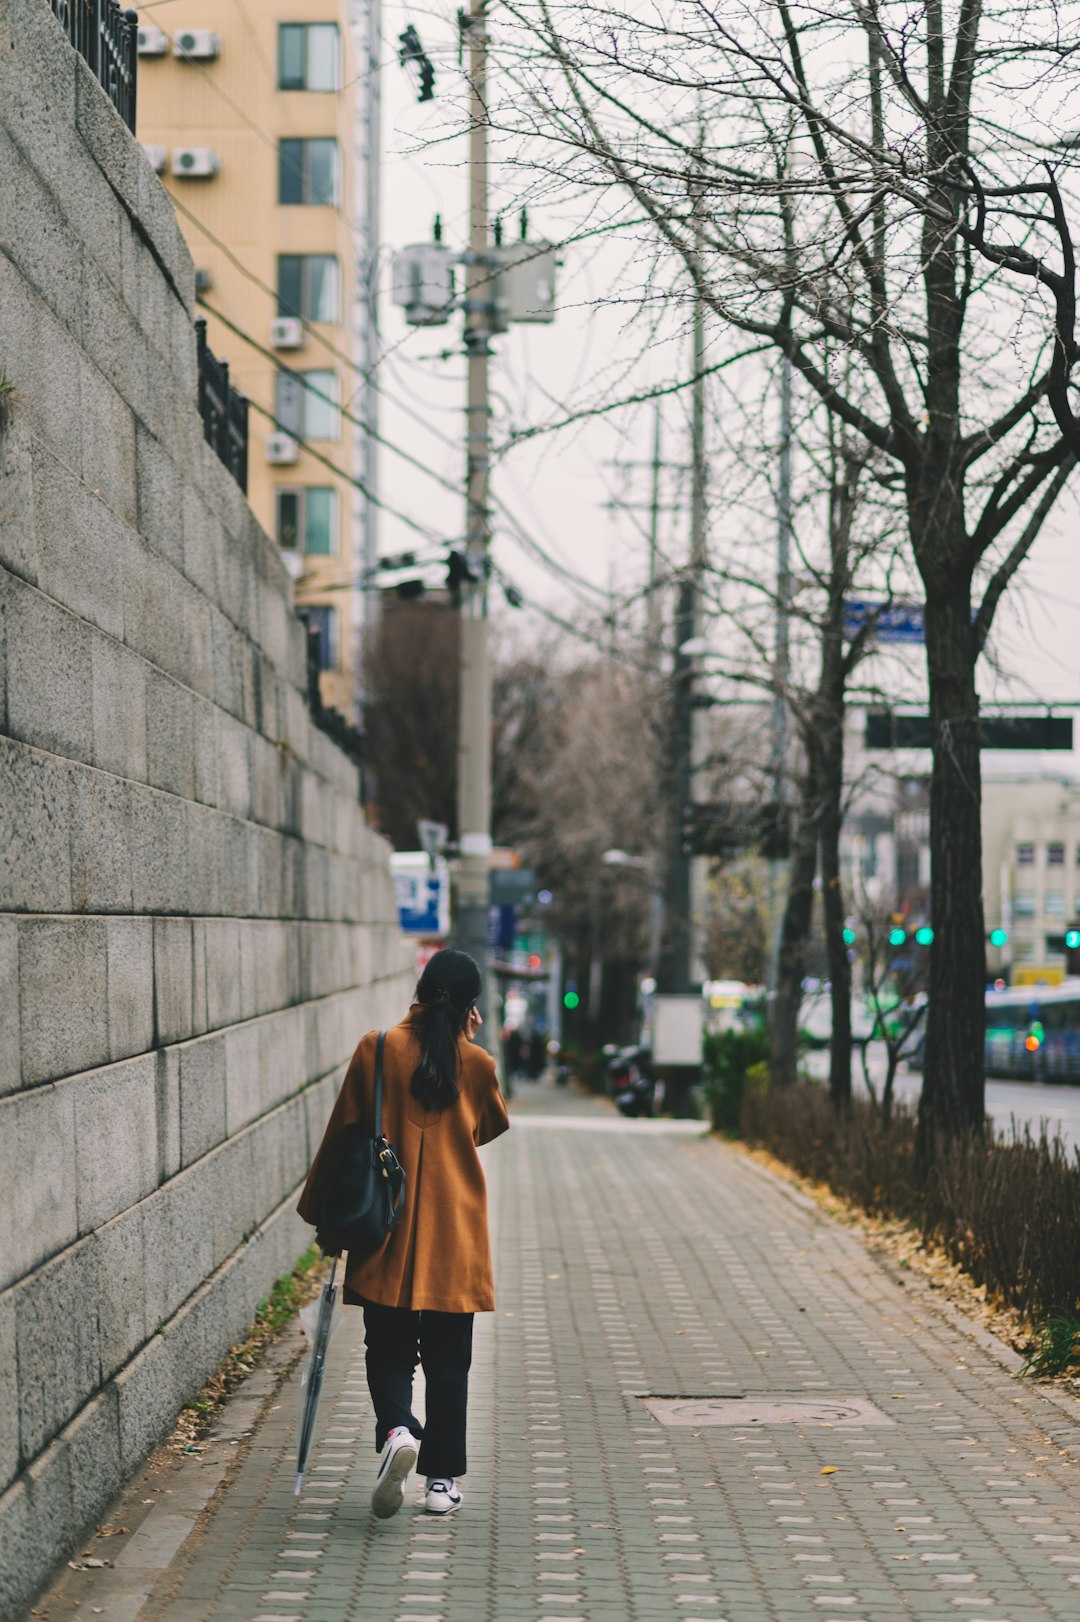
[
  {"x": 999, "y": 937},
  {"x": 1072, "y": 939},
  {"x": 849, "y": 937},
  {"x": 571, "y": 999},
  {"x": 897, "y": 937},
  {"x": 924, "y": 937}
]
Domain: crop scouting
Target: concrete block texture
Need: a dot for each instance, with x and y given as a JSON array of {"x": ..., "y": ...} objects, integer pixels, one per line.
[
  {"x": 18, "y": 546},
  {"x": 49, "y": 691},
  {"x": 129, "y": 944},
  {"x": 35, "y": 843},
  {"x": 116, "y": 1140},
  {"x": 56, "y": 1348},
  {"x": 203, "y": 1096},
  {"x": 170, "y": 735},
  {"x": 10, "y": 1055},
  {"x": 63, "y": 996},
  {"x": 82, "y": 544},
  {"x": 9, "y": 1393},
  {"x": 119, "y": 686},
  {"x": 102, "y": 878},
  {"x": 174, "y": 979},
  {"x": 39, "y": 1215}
]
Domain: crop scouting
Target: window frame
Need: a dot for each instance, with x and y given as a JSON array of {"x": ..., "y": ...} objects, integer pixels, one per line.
[
  {"x": 289, "y": 169},
  {"x": 306, "y": 310},
  {"x": 302, "y": 493},
  {"x": 304, "y": 29},
  {"x": 328, "y": 636}
]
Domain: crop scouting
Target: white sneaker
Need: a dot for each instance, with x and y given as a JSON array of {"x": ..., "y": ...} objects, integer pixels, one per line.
[
  {"x": 398, "y": 1457},
  {"x": 441, "y": 1496}
]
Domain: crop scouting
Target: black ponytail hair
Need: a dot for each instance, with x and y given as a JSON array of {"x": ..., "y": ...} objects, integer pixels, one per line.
[{"x": 447, "y": 989}]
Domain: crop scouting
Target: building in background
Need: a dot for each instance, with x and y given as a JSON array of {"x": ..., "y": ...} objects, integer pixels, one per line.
[
  {"x": 247, "y": 111},
  {"x": 1031, "y": 872}
]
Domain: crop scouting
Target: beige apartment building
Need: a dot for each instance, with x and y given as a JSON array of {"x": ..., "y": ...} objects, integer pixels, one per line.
[
  {"x": 1031, "y": 871},
  {"x": 247, "y": 112}
]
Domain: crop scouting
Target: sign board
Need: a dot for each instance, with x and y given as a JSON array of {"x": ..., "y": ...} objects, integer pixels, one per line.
[
  {"x": 433, "y": 836},
  {"x": 511, "y": 886},
  {"x": 422, "y": 884},
  {"x": 678, "y": 1028},
  {"x": 892, "y": 622},
  {"x": 886, "y": 730}
]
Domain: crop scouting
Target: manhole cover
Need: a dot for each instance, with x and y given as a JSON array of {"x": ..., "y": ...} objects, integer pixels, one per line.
[{"x": 778, "y": 1410}]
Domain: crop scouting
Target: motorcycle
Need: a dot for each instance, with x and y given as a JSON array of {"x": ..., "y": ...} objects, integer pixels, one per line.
[{"x": 631, "y": 1081}]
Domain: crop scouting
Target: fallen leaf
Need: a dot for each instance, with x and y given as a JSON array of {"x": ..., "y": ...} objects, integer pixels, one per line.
[
  {"x": 827, "y": 1470},
  {"x": 112, "y": 1531},
  {"x": 96, "y": 1565}
]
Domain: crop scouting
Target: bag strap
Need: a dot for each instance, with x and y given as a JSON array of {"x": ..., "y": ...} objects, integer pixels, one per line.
[{"x": 380, "y": 1044}]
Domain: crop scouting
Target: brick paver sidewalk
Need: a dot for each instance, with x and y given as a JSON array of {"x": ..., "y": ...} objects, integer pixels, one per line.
[{"x": 906, "y": 1473}]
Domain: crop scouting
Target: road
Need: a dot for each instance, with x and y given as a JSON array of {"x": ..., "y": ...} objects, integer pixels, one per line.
[{"x": 1029, "y": 1103}]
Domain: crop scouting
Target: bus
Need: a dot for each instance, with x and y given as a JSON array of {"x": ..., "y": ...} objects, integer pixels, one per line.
[{"x": 1033, "y": 1032}]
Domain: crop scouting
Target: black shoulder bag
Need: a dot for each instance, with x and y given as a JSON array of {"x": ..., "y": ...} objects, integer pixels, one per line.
[{"x": 367, "y": 1185}]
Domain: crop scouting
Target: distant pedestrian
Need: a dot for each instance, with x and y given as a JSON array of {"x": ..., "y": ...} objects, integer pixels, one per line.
[{"x": 419, "y": 1292}]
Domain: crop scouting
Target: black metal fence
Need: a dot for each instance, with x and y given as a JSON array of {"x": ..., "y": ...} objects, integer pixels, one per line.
[
  {"x": 108, "y": 40},
  {"x": 224, "y": 412}
]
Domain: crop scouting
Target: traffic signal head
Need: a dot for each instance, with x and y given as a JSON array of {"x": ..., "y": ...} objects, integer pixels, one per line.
[
  {"x": 849, "y": 937},
  {"x": 571, "y": 999},
  {"x": 1072, "y": 939},
  {"x": 924, "y": 937},
  {"x": 897, "y": 937},
  {"x": 999, "y": 937}
]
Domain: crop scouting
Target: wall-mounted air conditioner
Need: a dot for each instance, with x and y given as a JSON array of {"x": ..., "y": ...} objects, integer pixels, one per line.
[
  {"x": 197, "y": 44},
  {"x": 156, "y": 156},
  {"x": 204, "y": 279},
  {"x": 281, "y": 450},
  {"x": 287, "y": 332},
  {"x": 153, "y": 41},
  {"x": 195, "y": 162}
]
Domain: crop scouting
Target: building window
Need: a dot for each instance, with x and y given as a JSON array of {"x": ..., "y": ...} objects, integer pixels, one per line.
[
  {"x": 307, "y": 520},
  {"x": 308, "y": 285},
  {"x": 322, "y": 623},
  {"x": 307, "y": 404},
  {"x": 1024, "y": 904},
  {"x": 1024, "y": 952},
  {"x": 1055, "y": 855},
  {"x": 1054, "y": 903},
  {"x": 1025, "y": 855},
  {"x": 308, "y": 171},
  {"x": 309, "y": 56}
]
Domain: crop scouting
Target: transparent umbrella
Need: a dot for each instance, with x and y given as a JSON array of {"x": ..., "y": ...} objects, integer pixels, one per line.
[{"x": 313, "y": 1376}]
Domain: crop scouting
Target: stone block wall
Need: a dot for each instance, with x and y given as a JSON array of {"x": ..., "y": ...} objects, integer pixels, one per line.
[{"x": 195, "y": 923}]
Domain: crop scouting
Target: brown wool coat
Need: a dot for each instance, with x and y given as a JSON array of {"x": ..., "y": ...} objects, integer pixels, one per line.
[{"x": 438, "y": 1258}]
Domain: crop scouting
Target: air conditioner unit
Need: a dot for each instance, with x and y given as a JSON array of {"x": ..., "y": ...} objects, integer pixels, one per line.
[
  {"x": 281, "y": 450},
  {"x": 204, "y": 280},
  {"x": 197, "y": 44},
  {"x": 195, "y": 162},
  {"x": 153, "y": 41},
  {"x": 287, "y": 332},
  {"x": 156, "y": 156}
]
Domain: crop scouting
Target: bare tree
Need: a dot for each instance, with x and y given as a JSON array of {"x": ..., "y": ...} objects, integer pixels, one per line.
[{"x": 783, "y": 151}]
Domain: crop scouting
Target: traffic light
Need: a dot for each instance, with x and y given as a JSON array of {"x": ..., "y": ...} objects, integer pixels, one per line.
[
  {"x": 1000, "y": 937},
  {"x": 897, "y": 937},
  {"x": 1035, "y": 1037},
  {"x": 1072, "y": 952},
  {"x": 924, "y": 937},
  {"x": 849, "y": 937}
]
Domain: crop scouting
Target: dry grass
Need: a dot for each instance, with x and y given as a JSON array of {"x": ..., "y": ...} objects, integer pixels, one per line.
[{"x": 1001, "y": 1217}]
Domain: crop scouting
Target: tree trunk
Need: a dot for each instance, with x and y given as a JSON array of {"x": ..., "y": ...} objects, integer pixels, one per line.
[
  {"x": 831, "y": 746},
  {"x": 794, "y": 929},
  {"x": 953, "y": 1093}
]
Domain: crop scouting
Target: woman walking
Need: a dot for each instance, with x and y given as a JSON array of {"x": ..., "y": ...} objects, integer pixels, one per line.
[{"x": 419, "y": 1291}]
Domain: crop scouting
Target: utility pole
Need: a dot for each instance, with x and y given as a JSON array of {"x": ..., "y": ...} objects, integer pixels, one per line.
[
  {"x": 778, "y": 749},
  {"x": 653, "y": 620},
  {"x": 471, "y": 901},
  {"x": 367, "y": 34},
  {"x": 686, "y": 614}
]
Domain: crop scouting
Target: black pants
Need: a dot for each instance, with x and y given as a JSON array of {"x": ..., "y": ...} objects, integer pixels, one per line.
[{"x": 396, "y": 1340}]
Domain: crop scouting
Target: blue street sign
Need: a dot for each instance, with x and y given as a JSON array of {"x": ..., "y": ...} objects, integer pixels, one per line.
[
  {"x": 892, "y": 622},
  {"x": 422, "y": 884}
]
